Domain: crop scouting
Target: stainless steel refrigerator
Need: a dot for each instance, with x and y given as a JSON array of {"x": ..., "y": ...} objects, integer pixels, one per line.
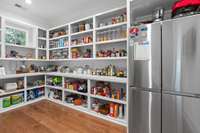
[
  {"x": 181, "y": 75},
  {"x": 165, "y": 96},
  {"x": 145, "y": 93}
]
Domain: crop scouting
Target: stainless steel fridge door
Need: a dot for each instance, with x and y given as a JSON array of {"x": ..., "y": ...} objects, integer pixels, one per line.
[
  {"x": 180, "y": 114},
  {"x": 145, "y": 115},
  {"x": 181, "y": 55},
  {"x": 147, "y": 73}
]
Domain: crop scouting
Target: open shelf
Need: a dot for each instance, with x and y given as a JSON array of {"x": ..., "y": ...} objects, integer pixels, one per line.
[
  {"x": 81, "y": 45},
  {"x": 58, "y": 33},
  {"x": 75, "y": 92},
  {"x": 108, "y": 99},
  {"x": 20, "y": 46},
  {"x": 42, "y": 38},
  {"x": 11, "y": 92},
  {"x": 80, "y": 33},
  {"x": 112, "y": 41},
  {"x": 57, "y": 38},
  {"x": 58, "y": 48},
  {"x": 44, "y": 49},
  {"x": 54, "y": 87},
  {"x": 22, "y": 59},
  {"x": 111, "y": 26},
  {"x": 92, "y": 77},
  {"x": 35, "y": 87},
  {"x": 109, "y": 118}
]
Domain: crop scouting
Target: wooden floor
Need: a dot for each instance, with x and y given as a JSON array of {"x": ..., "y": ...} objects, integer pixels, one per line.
[{"x": 47, "y": 117}]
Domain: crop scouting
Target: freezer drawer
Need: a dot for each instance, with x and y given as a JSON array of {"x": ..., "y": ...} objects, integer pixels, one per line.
[
  {"x": 147, "y": 72},
  {"x": 181, "y": 55},
  {"x": 180, "y": 114},
  {"x": 146, "y": 112}
]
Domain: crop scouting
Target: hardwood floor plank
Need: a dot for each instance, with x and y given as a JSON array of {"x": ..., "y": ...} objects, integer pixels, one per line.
[{"x": 48, "y": 117}]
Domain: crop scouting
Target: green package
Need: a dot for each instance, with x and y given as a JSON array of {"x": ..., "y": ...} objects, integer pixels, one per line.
[{"x": 6, "y": 102}]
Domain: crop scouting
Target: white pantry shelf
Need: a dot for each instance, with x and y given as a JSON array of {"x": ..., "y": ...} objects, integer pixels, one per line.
[
  {"x": 91, "y": 59},
  {"x": 44, "y": 49},
  {"x": 76, "y": 92},
  {"x": 81, "y": 45},
  {"x": 54, "y": 87},
  {"x": 35, "y": 87},
  {"x": 119, "y": 121},
  {"x": 112, "y": 58},
  {"x": 21, "y": 59},
  {"x": 111, "y": 26},
  {"x": 21, "y": 104},
  {"x": 8, "y": 76},
  {"x": 91, "y": 77},
  {"x": 83, "y": 32},
  {"x": 14, "y": 45},
  {"x": 112, "y": 41},
  {"x": 42, "y": 38},
  {"x": 50, "y": 49},
  {"x": 12, "y": 92},
  {"x": 60, "y": 37},
  {"x": 109, "y": 118},
  {"x": 108, "y": 99}
]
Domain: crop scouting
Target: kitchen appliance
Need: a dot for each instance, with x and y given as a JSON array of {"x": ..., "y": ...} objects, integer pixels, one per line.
[
  {"x": 181, "y": 74},
  {"x": 145, "y": 108}
]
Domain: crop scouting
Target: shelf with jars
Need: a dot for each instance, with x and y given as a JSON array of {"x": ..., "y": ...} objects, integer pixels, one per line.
[
  {"x": 84, "y": 40},
  {"x": 58, "y": 33},
  {"x": 111, "y": 19},
  {"x": 82, "y": 26},
  {"x": 111, "y": 34}
]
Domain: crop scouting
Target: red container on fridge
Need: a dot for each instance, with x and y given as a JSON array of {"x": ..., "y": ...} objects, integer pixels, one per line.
[{"x": 185, "y": 7}]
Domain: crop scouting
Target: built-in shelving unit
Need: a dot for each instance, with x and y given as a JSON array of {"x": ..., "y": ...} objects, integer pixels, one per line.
[
  {"x": 87, "y": 36},
  {"x": 67, "y": 89},
  {"x": 23, "y": 95},
  {"x": 100, "y": 38},
  {"x": 30, "y": 46}
]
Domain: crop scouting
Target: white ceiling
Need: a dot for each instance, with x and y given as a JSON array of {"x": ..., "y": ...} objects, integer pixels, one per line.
[{"x": 50, "y": 13}]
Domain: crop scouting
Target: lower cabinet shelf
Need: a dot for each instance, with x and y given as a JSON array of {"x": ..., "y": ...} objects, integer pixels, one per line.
[
  {"x": 119, "y": 121},
  {"x": 2, "y": 110}
]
